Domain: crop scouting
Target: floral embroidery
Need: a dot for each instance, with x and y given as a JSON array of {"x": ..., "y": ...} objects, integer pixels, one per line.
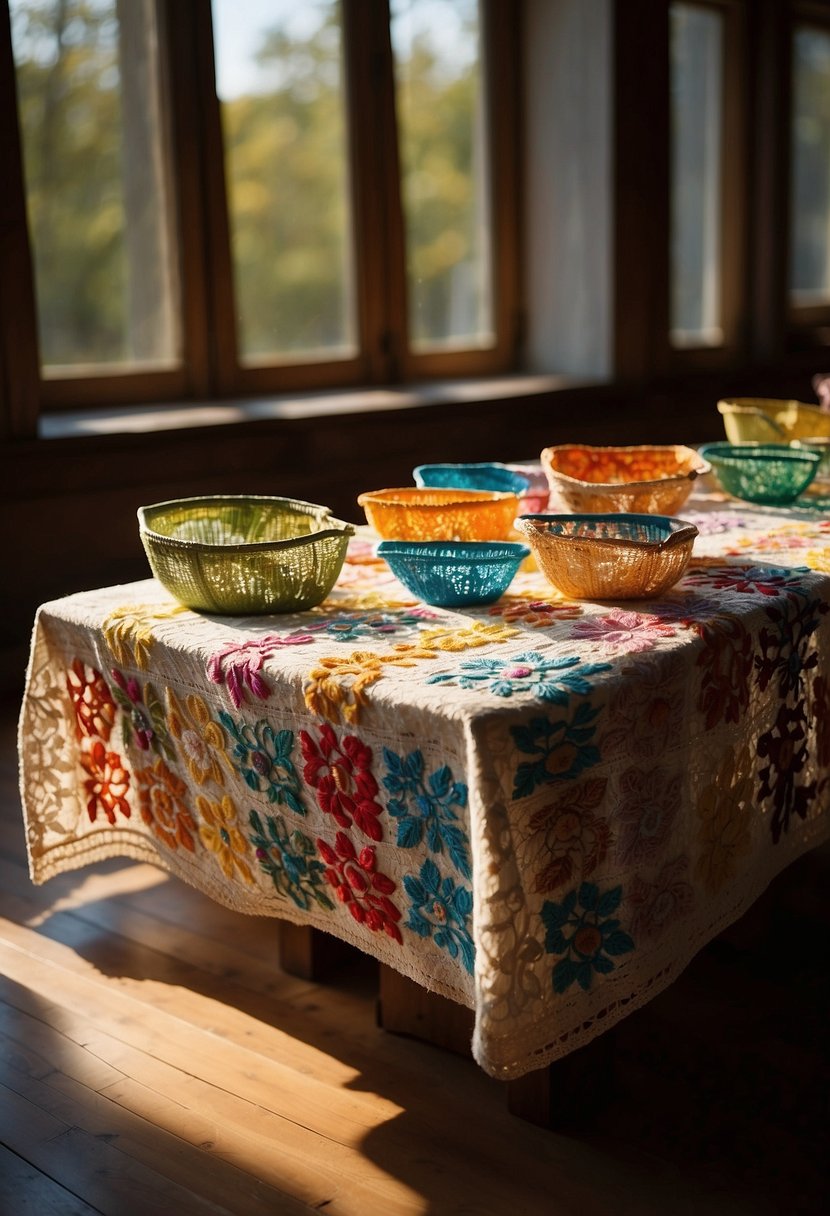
[
  {"x": 94, "y": 707},
  {"x": 648, "y": 802},
  {"x": 709, "y": 523},
  {"x": 129, "y": 631},
  {"x": 660, "y": 903},
  {"x": 239, "y": 665},
  {"x": 441, "y": 910},
  {"x": 290, "y": 860},
  {"x": 528, "y": 672},
  {"x": 785, "y": 649},
  {"x": 724, "y": 810},
  {"x": 726, "y": 659},
  {"x": 563, "y": 748},
  {"x": 263, "y": 757},
  {"x": 219, "y": 833},
  {"x": 340, "y": 772},
  {"x": 569, "y": 836},
  {"x": 468, "y": 637},
  {"x": 359, "y": 885},
  {"x": 818, "y": 559},
  {"x": 426, "y": 807},
  {"x": 595, "y": 938},
  {"x": 622, "y": 630},
  {"x": 749, "y": 580},
  {"x": 107, "y": 782},
  {"x": 646, "y": 707},
  {"x": 335, "y": 687},
  {"x": 535, "y": 613},
  {"x": 349, "y": 627},
  {"x": 201, "y": 740},
  {"x": 143, "y": 722},
  {"x": 163, "y": 808},
  {"x": 785, "y": 747}
]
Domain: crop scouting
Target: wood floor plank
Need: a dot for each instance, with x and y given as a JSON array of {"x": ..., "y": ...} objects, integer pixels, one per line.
[{"x": 23, "y": 1188}]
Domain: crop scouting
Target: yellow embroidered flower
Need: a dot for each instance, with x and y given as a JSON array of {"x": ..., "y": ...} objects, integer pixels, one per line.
[
  {"x": 219, "y": 833},
  {"x": 724, "y": 811},
  {"x": 467, "y": 638},
  {"x": 201, "y": 739},
  {"x": 163, "y": 808},
  {"x": 818, "y": 559},
  {"x": 129, "y": 630},
  {"x": 366, "y": 601},
  {"x": 335, "y": 687}
]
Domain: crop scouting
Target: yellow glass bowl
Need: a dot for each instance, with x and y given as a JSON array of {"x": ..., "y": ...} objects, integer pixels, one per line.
[
  {"x": 613, "y": 556},
  {"x": 771, "y": 420},
  {"x": 639, "y": 479},
  {"x": 440, "y": 513}
]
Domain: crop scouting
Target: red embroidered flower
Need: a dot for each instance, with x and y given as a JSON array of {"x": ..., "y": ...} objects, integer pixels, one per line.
[
  {"x": 726, "y": 660},
  {"x": 340, "y": 774},
  {"x": 91, "y": 700},
  {"x": 107, "y": 783},
  {"x": 358, "y": 884}
]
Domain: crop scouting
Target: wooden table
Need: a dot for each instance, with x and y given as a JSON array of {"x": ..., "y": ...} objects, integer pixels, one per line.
[{"x": 539, "y": 811}]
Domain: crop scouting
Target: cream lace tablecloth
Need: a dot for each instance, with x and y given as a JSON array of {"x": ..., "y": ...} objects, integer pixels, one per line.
[{"x": 540, "y": 809}]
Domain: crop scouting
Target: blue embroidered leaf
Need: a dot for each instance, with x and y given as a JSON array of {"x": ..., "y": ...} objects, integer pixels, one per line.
[
  {"x": 584, "y": 975},
  {"x": 618, "y": 943},
  {"x": 415, "y": 889},
  {"x": 555, "y": 941},
  {"x": 410, "y": 832},
  {"x": 564, "y": 974},
  {"x": 430, "y": 876},
  {"x": 433, "y": 835},
  {"x": 417, "y": 924},
  {"x": 457, "y": 843},
  {"x": 447, "y": 942},
  {"x": 463, "y": 901},
  {"x": 588, "y": 896},
  {"x": 439, "y": 781},
  {"x": 602, "y": 964},
  {"x": 609, "y": 901},
  {"x": 526, "y": 778},
  {"x": 396, "y": 807}
]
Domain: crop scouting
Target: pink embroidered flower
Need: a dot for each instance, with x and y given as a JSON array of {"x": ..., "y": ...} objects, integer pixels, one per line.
[
  {"x": 646, "y": 811},
  {"x": 622, "y": 630},
  {"x": 94, "y": 707},
  {"x": 107, "y": 784},
  {"x": 340, "y": 772},
  {"x": 358, "y": 884},
  {"x": 239, "y": 665},
  {"x": 657, "y": 905}
]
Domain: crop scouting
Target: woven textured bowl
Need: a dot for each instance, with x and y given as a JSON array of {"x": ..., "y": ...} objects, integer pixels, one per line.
[
  {"x": 648, "y": 480},
  {"x": 771, "y": 420},
  {"x": 493, "y": 475},
  {"x": 238, "y": 554},
  {"x": 433, "y": 513},
  {"x": 614, "y": 556},
  {"x": 820, "y": 444},
  {"x": 767, "y": 473},
  {"x": 454, "y": 574}
]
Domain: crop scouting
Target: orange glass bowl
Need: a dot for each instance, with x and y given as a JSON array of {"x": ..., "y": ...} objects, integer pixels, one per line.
[
  {"x": 650, "y": 480},
  {"x": 436, "y": 513}
]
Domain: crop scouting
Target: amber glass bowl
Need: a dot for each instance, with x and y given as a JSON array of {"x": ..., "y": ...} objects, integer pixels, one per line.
[{"x": 440, "y": 513}]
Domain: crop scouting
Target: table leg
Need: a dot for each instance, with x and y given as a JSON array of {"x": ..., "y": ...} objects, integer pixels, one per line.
[
  {"x": 406, "y": 1008},
  {"x": 308, "y": 953}
]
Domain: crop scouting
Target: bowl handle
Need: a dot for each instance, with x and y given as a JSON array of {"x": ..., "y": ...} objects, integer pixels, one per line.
[{"x": 687, "y": 532}]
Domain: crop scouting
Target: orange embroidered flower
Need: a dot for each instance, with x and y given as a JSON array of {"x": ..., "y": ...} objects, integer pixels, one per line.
[
  {"x": 129, "y": 630},
  {"x": 107, "y": 784},
  {"x": 219, "y": 833},
  {"x": 201, "y": 740},
  {"x": 535, "y": 612},
  {"x": 163, "y": 808},
  {"x": 91, "y": 700}
]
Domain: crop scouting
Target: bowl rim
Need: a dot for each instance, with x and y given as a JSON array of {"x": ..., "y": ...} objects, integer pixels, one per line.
[
  {"x": 616, "y": 487},
  {"x": 741, "y": 452},
  {"x": 332, "y": 526},
  {"x": 398, "y": 496},
  {"x": 678, "y": 531},
  {"x": 423, "y": 470},
  {"x": 463, "y": 550},
  {"x": 759, "y": 405}
]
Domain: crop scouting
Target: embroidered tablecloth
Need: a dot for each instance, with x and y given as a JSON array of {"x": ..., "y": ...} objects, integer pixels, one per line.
[{"x": 541, "y": 809}]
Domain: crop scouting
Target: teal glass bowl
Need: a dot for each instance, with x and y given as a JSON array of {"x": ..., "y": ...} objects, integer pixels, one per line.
[
  {"x": 771, "y": 474},
  {"x": 482, "y": 476},
  {"x": 454, "y": 574}
]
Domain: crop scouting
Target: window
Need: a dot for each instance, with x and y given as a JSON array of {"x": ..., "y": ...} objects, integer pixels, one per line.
[
  {"x": 226, "y": 199},
  {"x": 809, "y": 264}
]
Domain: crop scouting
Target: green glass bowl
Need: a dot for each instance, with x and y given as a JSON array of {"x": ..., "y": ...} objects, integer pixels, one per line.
[
  {"x": 243, "y": 554},
  {"x": 771, "y": 474}
]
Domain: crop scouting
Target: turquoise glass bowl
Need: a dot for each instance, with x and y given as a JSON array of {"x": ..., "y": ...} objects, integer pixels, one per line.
[
  {"x": 454, "y": 574},
  {"x": 771, "y": 474}
]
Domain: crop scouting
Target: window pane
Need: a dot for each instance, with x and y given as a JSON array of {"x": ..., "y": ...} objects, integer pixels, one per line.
[
  {"x": 810, "y": 210},
  {"x": 96, "y": 184},
  {"x": 280, "y": 83},
  {"x": 440, "y": 109},
  {"x": 697, "y": 126}
]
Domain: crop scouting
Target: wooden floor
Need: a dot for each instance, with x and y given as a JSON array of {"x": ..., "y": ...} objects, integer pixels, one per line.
[{"x": 154, "y": 1059}]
